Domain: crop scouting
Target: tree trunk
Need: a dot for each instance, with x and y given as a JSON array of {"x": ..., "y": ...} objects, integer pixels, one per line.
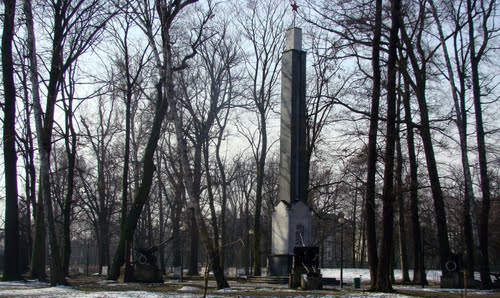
[
  {"x": 176, "y": 224},
  {"x": 102, "y": 216},
  {"x": 11, "y": 257},
  {"x": 70, "y": 144},
  {"x": 142, "y": 193},
  {"x": 383, "y": 283},
  {"x": 222, "y": 170},
  {"x": 461, "y": 115},
  {"x": 57, "y": 276},
  {"x": 248, "y": 244},
  {"x": 371, "y": 234},
  {"x": 37, "y": 269},
  {"x": 211, "y": 197},
  {"x": 362, "y": 242},
  {"x": 261, "y": 164},
  {"x": 149, "y": 224},
  {"x": 354, "y": 224},
  {"x": 418, "y": 272},
  {"x": 420, "y": 73},
  {"x": 212, "y": 252},
  {"x": 484, "y": 269},
  {"x": 103, "y": 244},
  {"x": 401, "y": 220},
  {"x": 199, "y": 222},
  {"x": 67, "y": 213},
  {"x": 403, "y": 255},
  {"x": 161, "y": 217},
  {"x": 30, "y": 170},
  {"x": 126, "y": 164},
  {"x": 44, "y": 124},
  {"x": 192, "y": 183},
  {"x": 194, "y": 244}
]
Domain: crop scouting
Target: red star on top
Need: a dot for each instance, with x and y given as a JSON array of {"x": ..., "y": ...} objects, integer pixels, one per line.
[{"x": 295, "y": 7}]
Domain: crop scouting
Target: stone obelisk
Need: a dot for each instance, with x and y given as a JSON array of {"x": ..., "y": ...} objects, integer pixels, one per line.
[{"x": 291, "y": 218}]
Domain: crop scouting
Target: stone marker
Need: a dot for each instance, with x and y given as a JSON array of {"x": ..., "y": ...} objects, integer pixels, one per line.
[
  {"x": 177, "y": 272},
  {"x": 232, "y": 271}
]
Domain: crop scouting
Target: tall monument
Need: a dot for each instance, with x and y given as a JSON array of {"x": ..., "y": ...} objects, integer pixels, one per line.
[{"x": 292, "y": 217}]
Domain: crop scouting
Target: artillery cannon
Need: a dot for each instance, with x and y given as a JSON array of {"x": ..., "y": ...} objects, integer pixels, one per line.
[
  {"x": 146, "y": 268},
  {"x": 305, "y": 268}
]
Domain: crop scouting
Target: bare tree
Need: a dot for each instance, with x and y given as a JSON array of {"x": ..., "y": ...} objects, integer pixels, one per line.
[
  {"x": 37, "y": 269},
  {"x": 206, "y": 105},
  {"x": 371, "y": 235},
  {"x": 175, "y": 199},
  {"x": 400, "y": 192},
  {"x": 263, "y": 26},
  {"x": 11, "y": 268},
  {"x": 358, "y": 26},
  {"x": 240, "y": 199},
  {"x": 418, "y": 262},
  {"x": 167, "y": 13},
  {"x": 28, "y": 154},
  {"x": 419, "y": 59},
  {"x": 383, "y": 283},
  {"x": 100, "y": 200},
  {"x": 131, "y": 63},
  {"x": 70, "y": 143},
  {"x": 190, "y": 179},
  {"x": 483, "y": 10},
  {"x": 82, "y": 20},
  {"x": 329, "y": 83},
  {"x": 458, "y": 95}
]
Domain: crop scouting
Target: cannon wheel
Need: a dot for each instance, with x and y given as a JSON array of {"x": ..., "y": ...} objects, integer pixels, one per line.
[{"x": 143, "y": 259}]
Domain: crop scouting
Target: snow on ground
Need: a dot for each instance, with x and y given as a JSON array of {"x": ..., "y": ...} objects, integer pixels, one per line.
[
  {"x": 349, "y": 274},
  {"x": 41, "y": 290},
  {"x": 56, "y": 292},
  {"x": 189, "y": 289}
]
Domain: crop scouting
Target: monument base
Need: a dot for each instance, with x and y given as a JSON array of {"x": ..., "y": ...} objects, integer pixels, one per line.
[{"x": 279, "y": 265}]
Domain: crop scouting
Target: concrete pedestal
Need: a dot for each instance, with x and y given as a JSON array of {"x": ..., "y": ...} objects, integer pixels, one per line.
[{"x": 291, "y": 227}]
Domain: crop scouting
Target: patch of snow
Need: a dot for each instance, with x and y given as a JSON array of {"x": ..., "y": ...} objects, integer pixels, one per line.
[
  {"x": 231, "y": 289},
  {"x": 381, "y": 295},
  {"x": 350, "y": 273},
  {"x": 40, "y": 292},
  {"x": 448, "y": 290},
  {"x": 269, "y": 289},
  {"x": 107, "y": 282},
  {"x": 23, "y": 284},
  {"x": 189, "y": 289}
]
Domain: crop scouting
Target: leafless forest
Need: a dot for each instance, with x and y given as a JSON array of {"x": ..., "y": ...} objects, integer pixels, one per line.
[{"x": 130, "y": 123}]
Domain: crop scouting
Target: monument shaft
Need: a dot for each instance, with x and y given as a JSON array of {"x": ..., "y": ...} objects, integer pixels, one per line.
[
  {"x": 292, "y": 217},
  {"x": 292, "y": 185}
]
